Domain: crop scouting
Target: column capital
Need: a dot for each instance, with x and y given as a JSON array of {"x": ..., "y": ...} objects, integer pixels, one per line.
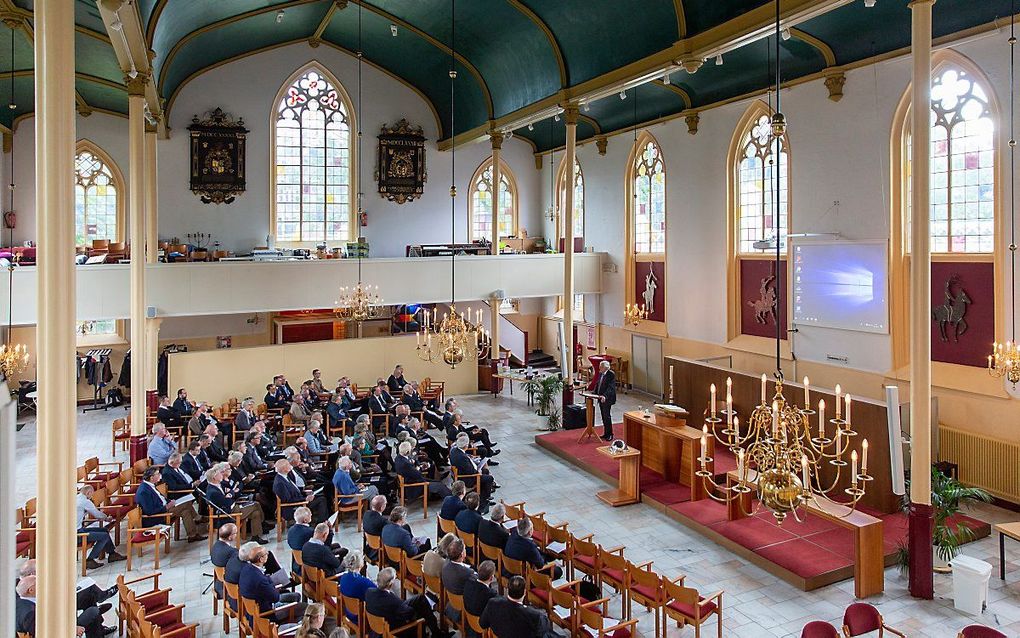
[
  {"x": 136, "y": 85},
  {"x": 496, "y": 139},
  {"x": 692, "y": 120},
  {"x": 601, "y": 142},
  {"x": 690, "y": 64},
  {"x": 834, "y": 82},
  {"x": 84, "y": 109},
  {"x": 570, "y": 115},
  {"x": 917, "y": 3},
  {"x": 11, "y": 19}
]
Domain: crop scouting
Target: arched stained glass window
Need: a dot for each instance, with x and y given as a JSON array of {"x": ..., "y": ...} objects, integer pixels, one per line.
[
  {"x": 561, "y": 189},
  {"x": 314, "y": 169},
  {"x": 648, "y": 215},
  {"x": 756, "y": 195},
  {"x": 962, "y": 165},
  {"x": 481, "y": 202},
  {"x": 97, "y": 196}
]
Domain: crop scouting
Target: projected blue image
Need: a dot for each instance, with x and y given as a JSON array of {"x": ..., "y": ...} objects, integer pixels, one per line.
[{"x": 841, "y": 285}]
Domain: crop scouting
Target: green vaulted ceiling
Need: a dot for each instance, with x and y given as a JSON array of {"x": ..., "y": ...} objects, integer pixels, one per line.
[{"x": 511, "y": 54}]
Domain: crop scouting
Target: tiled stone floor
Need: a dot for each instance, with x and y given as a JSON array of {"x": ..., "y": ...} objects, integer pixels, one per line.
[{"x": 756, "y": 604}]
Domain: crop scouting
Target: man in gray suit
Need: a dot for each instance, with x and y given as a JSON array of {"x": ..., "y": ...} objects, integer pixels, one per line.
[{"x": 456, "y": 574}]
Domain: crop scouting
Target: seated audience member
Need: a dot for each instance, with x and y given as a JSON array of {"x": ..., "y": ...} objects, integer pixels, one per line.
[
  {"x": 406, "y": 467},
  {"x": 350, "y": 398},
  {"x": 412, "y": 399},
  {"x": 161, "y": 445},
  {"x": 396, "y": 382},
  {"x": 317, "y": 553},
  {"x": 153, "y": 503},
  {"x": 316, "y": 384},
  {"x": 335, "y": 410},
  {"x": 521, "y": 546},
  {"x": 387, "y": 397},
  {"x": 467, "y": 465},
  {"x": 456, "y": 571},
  {"x": 265, "y": 443},
  {"x": 438, "y": 455},
  {"x": 221, "y": 503},
  {"x": 454, "y": 503},
  {"x": 182, "y": 406},
  {"x": 283, "y": 389},
  {"x": 285, "y": 490},
  {"x": 177, "y": 480},
  {"x": 217, "y": 450},
  {"x": 98, "y": 536},
  {"x": 469, "y": 517},
  {"x": 480, "y": 438},
  {"x": 491, "y": 532},
  {"x": 89, "y": 622},
  {"x": 352, "y": 583},
  {"x": 240, "y": 480},
  {"x": 258, "y": 586},
  {"x": 199, "y": 419},
  {"x": 374, "y": 522},
  {"x": 345, "y": 485},
  {"x": 299, "y": 411},
  {"x": 246, "y": 416},
  {"x": 509, "y": 617},
  {"x": 253, "y": 462},
  {"x": 271, "y": 400},
  {"x": 381, "y": 601},
  {"x": 378, "y": 407},
  {"x": 88, "y": 594},
  {"x": 316, "y": 439},
  {"x": 435, "y": 558},
  {"x": 397, "y": 534},
  {"x": 311, "y": 625},
  {"x": 299, "y": 534},
  {"x": 232, "y": 572},
  {"x": 223, "y": 550},
  {"x": 166, "y": 413},
  {"x": 195, "y": 462},
  {"x": 480, "y": 590}
]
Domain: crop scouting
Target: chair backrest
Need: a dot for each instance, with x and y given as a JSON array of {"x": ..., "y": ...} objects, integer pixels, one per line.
[
  {"x": 590, "y": 617},
  {"x": 491, "y": 552},
  {"x": 513, "y": 566},
  {"x": 329, "y": 591},
  {"x": 249, "y": 609},
  {"x": 474, "y": 623},
  {"x": 644, "y": 578},
  {"x": 352, "y": 607},
  {"x": 377, "y": 625},
  {"x": 514, "y": 511},
  {"x": 679, "y": 593},
  {"x": 30, "y": 508},
  {"x": 861, "y": 618},
  {"x": 447, "y": 526},
  {"x": 374, "y": 542},
  {"x": 134, "y": 518},
  {"x": 394, "y": 557},
  {"x": 819, "y": 629},
  {"x": 980, "y": 631},
  {"x": 584, "y": 548},
  {"x": 231, "y": 591},
  {"x": 539, "y": 580},
  {"x": 313, "y": 577}
]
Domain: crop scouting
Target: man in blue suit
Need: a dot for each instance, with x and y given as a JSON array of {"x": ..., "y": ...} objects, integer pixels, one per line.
[
  {"x": 288, "y": 492},
  {"x": 177, "y": 480},
  {"x": 381, "y": 601},
  {"x": 520, "y": 546},
  {"x": 157, "y": 510},
  {"x": 396, "y": 534},
  {"x": 223, "y": 550},
  {"x": 221, "y": 504},
  {"x": 466, "y": 466},
  {"x": 256, "y": 585}
]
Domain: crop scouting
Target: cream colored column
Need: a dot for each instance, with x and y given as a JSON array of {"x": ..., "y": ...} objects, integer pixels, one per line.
[
  {"x": 56, "y": 420},
  {"x": 151, "y": 348},
  {"x": 497, "y": 145},
  {"x": 151, "y": 200},
  {"x": 567, "y": 217},
  {"x": 920, "y": 522},
  {"x": 136, "y": 226}
]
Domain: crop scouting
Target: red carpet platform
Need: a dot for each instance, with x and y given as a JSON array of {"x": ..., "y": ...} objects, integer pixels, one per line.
[{"x": 808, "y": 554}]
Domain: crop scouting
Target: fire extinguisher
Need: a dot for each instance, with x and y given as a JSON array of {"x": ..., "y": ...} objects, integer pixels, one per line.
[{"x": 363, "y": 218}]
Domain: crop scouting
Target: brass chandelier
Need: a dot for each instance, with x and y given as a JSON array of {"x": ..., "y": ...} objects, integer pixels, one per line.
[
  {"x": 783, "y": 462},
  {"x": 1005, "y": 358},
  {"x": 454, "y": 339},
  {"x": 634, "y": 313},
  {"x": 362, "y": 301}
]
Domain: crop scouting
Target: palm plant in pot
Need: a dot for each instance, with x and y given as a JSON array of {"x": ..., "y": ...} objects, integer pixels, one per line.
[
  {"x": 948, "y": 497},
  {"x": 546, "y": 390}
]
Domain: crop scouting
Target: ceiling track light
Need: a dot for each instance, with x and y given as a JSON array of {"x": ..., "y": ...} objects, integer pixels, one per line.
[
  {"x": 531, "y": 127},
  {"x": 623, "y": 95},
  {"x": 786, "y": 33},
  {"x": 556, "y": 118},
  {"x": 279, "y": 16},
  {"x": 586, "y": 107},
  {"x": 665, "y": 79},
  {"x": 117, "y": 25},
  {"x": 718, "y": 60},
  {"x": 393, "y": 30},
  {"x": 133, "y": 73},
  {"x": 869, "y": 3}
]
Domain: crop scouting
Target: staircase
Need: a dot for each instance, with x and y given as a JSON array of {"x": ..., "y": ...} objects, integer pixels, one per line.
[{"x": 537, "y": 360}]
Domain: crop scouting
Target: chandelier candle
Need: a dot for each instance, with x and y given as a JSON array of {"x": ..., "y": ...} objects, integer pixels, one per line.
[
  {"x": 807, "y": 393},
  {"x": 839, "y": 392},
  {"x": 821, "y": 420},
  {"x": 849, "y": 401},
  {"x": 712, "y": 391},
  {"x": 764, "y": 381}
]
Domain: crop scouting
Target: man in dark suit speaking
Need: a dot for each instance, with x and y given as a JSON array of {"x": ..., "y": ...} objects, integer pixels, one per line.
[{"x": 606, "y": 389}]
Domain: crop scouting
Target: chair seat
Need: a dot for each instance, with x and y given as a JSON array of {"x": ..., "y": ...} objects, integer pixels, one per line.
[
  {"x": 588, "y": 561},
  {"x": 122, "y": 436},
  {"x": 23, "y": 537},
  {"x": 21, "y": 547},
  {"x": 542, "y": 594},
  {"x": 123, "y": 499},
  {"x": 616, "y": 575},
  {"x": 707, "y": 607},
  {"x": 619, "y": 633},
  {"x": 120, "y": 511},
  {"x": 650, "y": 593},
  {"x": 142, "y": 537}
]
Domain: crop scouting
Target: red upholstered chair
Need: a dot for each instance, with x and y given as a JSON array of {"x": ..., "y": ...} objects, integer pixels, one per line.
[
  {"x": 819, "y": 629},
  {"x": 862, "y": 618},
  {"x": 980, "y": 631},
  {"x": 687, "y": 607}
]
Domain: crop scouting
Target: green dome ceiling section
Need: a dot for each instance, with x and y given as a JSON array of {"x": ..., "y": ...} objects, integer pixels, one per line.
[
  {"x": 594, "y": 40},
  {"x": 24, "y": 98},
  {"x": 102, "y": 96},
  {"x": 211, "y": 47},
  {"x": 702, "y": 15},
  {"x": 178, "y": 18},
  {"x": 416, "y": 60},
  {"x": 24, "y": 53},
  {"x": 96, "y": 57},
  {"x": 511, "y": 52},
  {"x": 552, "y": 134},
  {"x": 86, "y": 13}
]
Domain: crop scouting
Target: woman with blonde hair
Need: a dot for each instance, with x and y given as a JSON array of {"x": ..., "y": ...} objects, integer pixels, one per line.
[{"x": 311, "y": 622}]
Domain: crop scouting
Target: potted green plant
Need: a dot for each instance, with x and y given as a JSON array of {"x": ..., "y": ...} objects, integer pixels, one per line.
[
  {"x": 545, "y": 389},
  {"x": 948, "y": 497},
  {"x": 554, "y": 420}
]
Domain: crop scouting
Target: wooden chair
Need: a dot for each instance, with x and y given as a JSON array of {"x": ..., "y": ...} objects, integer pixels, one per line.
[
  {"x": 25, "y": 538},
  {"x": 358, "y": 507},
  {"x": 96, "y": 471},
  {"x": 394, "y": 557},
  {"x": 434, "y": 584},
  {"x": 311, "y": 579},
  {"x": 456, "y": 602},
  {"x": 374, "y": 542},
  {"x": 512, "y": 567},
  {"x": 121, "y": 433},
  {"x": 231, "y": 593},
  {"x": 472, "y": 480},
  {"x": 266, "y": 628},
  {"x": 166, "y": 624},
  {"x": 858, "y": 619},
  {"x": 584, "y": 558},
  {"x": 539, "y": 584},
  {"x": 155, "y": 600},
  {"x": 493, "y": 553},
  {"x": 474, "y": 623},
  {"x": 378, "y": 626},
  {"x": 352, "y": 607},
  {"x": 424, "y": 494},
  {"x": 329, "y": 590},
  {"x": 540, "y": 529},
  {"x": 566, "y": 597},
  {"x": 281, "y": 522},
  {"x": 614, "y": 573},
  {"x": 822, "y": 629},
  {"x": 592, "y": 617},
  {"x": 515, "y": 511},
  {"x": 139, "y": 536},
  {"x": 250, "y": 609},
  {"x": 412, "y": 578},
  {"x": 685, "y": 606},
  {"x": 445, "y": 526},
  {"x": 470, "y": 546},
  {"x": 185, "y": 254},
  {"x": 646, "y": 589}
]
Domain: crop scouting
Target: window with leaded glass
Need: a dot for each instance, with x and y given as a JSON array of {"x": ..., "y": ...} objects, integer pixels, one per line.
[
  {"x": 649, "y": 212},
  {"x": 962, "y": 165},
  {"x": 95, "y": 199},
  {"x": 578, "y": 200},
  {"x": 756, "y": 171},
  {"x": 313, "y": 178},
  {"x": 481, "y": 203}
]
